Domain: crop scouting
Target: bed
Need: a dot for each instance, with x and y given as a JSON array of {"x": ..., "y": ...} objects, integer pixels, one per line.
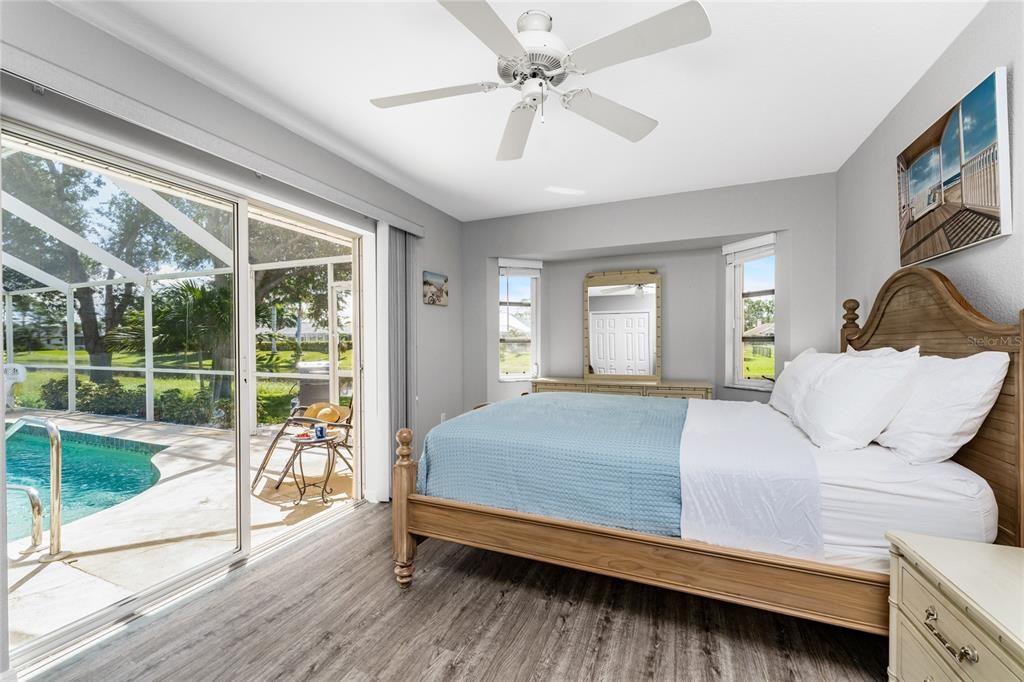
[{"x": 619, "y": 504}]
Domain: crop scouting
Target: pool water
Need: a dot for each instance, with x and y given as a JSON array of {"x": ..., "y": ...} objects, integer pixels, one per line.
[{"x": 98, "y": 472}]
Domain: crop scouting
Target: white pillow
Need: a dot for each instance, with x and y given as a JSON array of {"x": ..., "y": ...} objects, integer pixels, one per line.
[
  {"x": 873, "y": 353},
  {"x": 950, "y": 399},
  {"x": 855, "y": 398},
  {"x": 796, "y": 378}
]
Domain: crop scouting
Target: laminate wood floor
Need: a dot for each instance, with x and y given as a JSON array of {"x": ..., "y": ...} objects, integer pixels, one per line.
[{"x": 328, "y": 608}]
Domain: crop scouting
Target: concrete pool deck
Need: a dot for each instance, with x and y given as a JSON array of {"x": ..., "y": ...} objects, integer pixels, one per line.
[{"x": 186, "y": 519}]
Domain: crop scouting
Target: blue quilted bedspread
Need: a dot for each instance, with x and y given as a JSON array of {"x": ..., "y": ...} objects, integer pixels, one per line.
[{"x": 610, "y": 460}]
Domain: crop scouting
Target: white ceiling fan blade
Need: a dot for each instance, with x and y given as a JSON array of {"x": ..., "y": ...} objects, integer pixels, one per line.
[
  {"x": 482, "y": 21},
  {"x": 621, "y": 120},
  {"x": 611, "y": 291},
  {"x": 427, "y": 95},
  {"x": 517, "y": 131},
  {"x": 681, "y": 25}
]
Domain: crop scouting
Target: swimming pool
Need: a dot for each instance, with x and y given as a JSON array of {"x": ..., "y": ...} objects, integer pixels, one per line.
[{"x": 98, "y": 472}]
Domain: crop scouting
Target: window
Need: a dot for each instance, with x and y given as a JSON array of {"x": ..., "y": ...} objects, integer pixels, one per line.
[
  {"x": 750, "y": 312},
  {"x": 518, "y": 352}
]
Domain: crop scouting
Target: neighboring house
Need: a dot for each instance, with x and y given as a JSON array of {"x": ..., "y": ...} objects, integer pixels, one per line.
[
  {"x": 52, "y": 336},
  {"x": 765, "y": 331},
  {"x": 515, "y": 324},
  {"x": 306, "y": 335}
]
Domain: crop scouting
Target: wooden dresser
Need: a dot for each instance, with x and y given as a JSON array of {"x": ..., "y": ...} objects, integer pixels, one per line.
[
  {"x": 659, "y": 389},
  {"x": 956, "y": 610}
]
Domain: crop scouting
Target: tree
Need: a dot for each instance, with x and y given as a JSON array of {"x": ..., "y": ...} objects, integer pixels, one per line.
[
  {"x": 191, "y": 318},
  {"x": 91, "y": 205},
  {"x": 88, "y": 204},
  {"x": 757, "y": 311},
  {"x": 290, "y": 286}
]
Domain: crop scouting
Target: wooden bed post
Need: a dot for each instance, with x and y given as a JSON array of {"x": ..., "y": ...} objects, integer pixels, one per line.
[
  {"x": 403, "y": 484},
  {"x": 1020, "y": 436},
  {"x": 850, "y": 305}
]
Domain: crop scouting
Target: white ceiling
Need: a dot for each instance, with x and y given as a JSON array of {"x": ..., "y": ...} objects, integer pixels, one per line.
[{"x": 780, "y": 89}]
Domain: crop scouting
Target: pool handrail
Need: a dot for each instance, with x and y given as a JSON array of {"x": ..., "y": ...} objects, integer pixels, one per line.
[
  {"x": 56, "y": 467},
  {"x": 37, "y": 511}
]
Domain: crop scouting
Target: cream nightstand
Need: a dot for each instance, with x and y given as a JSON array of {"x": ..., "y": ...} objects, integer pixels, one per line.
[{"x": 956, "y": 610}]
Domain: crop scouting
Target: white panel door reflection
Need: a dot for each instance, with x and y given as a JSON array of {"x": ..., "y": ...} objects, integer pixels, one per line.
[{"x": 620, "y": 343}]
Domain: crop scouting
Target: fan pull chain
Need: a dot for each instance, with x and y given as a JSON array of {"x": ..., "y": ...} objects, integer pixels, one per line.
[{"x": 542, "y": 98}]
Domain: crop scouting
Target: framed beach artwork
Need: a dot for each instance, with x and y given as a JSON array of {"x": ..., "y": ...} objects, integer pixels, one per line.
[
  {"x": 954, "y": 179},
  {"x": 435, "y": 288}
]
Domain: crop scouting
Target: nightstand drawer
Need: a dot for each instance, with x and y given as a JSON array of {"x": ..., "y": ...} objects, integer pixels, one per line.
[
  {"x": 942, "y": 626},
  {"x": 917, "y": 662}
]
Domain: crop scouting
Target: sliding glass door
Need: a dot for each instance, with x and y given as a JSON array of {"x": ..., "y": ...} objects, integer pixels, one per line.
[
  {"x": 159, "y": 335},
  {"x": 123, "y": 297},
  {"x": 303, "y": 281}
]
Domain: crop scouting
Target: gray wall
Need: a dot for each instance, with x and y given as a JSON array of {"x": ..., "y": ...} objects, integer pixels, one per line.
[
  {"x": 689, "y": 310},
  {"x": 52, "y": 47},
  {"x": 801, "y": 210},
  {"x": 990, "y": 275}
]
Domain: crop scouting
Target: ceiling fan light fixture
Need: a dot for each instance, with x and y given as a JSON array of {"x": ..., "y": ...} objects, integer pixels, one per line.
[
  {"x": 535, "y": 61},
  {"x": 534, "y": 20},
  {"x": 568, "y": 191}
]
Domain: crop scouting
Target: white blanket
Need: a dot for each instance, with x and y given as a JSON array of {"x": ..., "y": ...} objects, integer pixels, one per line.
[{"x": 749, "y": 480}]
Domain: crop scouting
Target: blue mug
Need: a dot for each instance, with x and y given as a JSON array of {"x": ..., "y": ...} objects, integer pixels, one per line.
[{"x": 320, "y": 431}]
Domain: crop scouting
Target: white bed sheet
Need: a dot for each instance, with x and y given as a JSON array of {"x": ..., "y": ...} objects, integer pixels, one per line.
[
  {"x": 865, "y": 493},
  {"x": 748, "y": 479}
]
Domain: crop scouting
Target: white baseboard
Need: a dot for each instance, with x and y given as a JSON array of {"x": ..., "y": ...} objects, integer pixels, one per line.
[{"x": 8, "y": 676}]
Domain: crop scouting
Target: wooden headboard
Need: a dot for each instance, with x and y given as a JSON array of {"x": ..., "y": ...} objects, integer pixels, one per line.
[{"x": 921, "y": 307}]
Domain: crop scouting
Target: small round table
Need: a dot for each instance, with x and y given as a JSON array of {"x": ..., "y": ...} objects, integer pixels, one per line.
[{"x": 329, "y": 442}]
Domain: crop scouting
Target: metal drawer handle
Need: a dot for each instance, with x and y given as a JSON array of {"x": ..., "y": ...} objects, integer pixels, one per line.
[{"x": 964, "y": 653}]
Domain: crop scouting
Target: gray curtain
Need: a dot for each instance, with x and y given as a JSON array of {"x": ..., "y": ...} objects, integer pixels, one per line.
[{"x": 398, "y": 326}]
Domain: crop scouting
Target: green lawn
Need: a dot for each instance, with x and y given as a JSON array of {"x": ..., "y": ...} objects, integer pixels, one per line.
[
  {"x": 273, "y": 395},
  {"x": 757, "y": 366},
  {"x": 29, "y": 393},
  {"x": 171, "y": 360},
  {"x": 514, "y": 363}
]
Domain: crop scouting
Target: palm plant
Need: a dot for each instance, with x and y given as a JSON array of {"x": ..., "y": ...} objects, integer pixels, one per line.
[{"x": 191, "y": 318}]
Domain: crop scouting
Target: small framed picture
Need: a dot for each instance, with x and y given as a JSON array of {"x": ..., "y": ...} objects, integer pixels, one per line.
[{"x": 435, "y": 288}]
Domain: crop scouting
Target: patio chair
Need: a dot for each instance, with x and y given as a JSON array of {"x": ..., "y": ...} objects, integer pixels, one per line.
[{"x": 306, "y": 417}]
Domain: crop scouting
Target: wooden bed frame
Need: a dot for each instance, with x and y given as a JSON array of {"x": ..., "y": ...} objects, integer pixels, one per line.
[{"x": 916, "y": 306}]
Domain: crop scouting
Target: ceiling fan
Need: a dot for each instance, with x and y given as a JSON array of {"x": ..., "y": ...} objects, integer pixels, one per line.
[
  {"x": 535, "y": 62},
  {"x": 624, "y": 289}
]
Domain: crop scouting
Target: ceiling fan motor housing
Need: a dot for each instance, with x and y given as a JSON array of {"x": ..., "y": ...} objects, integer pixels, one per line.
[{"x": 544, "y": 51}]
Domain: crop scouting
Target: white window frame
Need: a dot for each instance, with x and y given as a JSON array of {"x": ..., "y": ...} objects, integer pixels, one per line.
[
  {"x": 736, "y": 254},
  {"x": 508, "y": 267}
]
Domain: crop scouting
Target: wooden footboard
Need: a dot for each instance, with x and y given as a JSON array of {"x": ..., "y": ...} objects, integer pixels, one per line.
[{"x": 823, "y": 592}]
